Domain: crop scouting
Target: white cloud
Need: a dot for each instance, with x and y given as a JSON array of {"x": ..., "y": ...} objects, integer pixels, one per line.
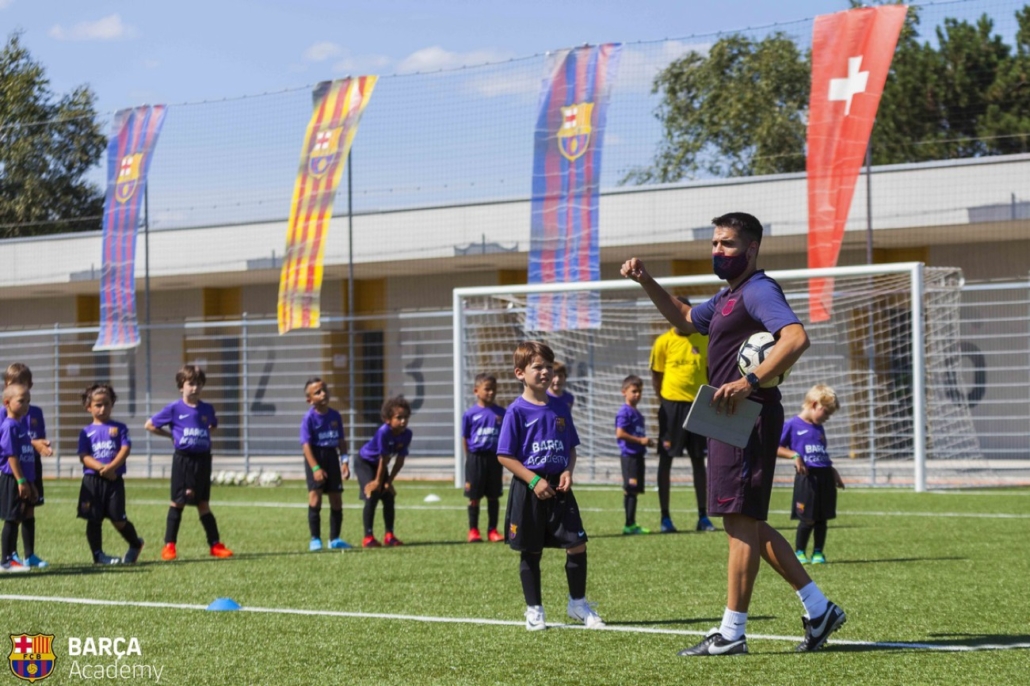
[
  {"x": 362, "y": 64},
  {"x": 107, "y": 28},
  {"x": 321, "y": 51},
  {"x": 4, "y": 4},
  {"x": 435, "y": 58},
  {"x": 640, "y": 64}
]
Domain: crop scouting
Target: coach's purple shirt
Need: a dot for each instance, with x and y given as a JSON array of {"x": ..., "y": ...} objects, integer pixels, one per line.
[
  {"x": 14, "y": 440},
  {"x": 103, "y": 442},
  {"x": 732, "y": 316},
  {"x": 481, "y": 427},
  {"x": 807, "y": 440},
  {"x": 321, "y": 430},
  {"x": 541, "y": 437},
  {"x": 190, "y": 425},
  {"x": 629, "y": 419}
]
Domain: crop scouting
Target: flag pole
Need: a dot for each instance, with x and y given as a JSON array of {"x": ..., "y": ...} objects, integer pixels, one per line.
[{"x": 146, "y": 301}]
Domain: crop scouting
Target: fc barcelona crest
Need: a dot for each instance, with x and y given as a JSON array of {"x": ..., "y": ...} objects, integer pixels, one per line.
[
  {"x": 559, "y": 423},
  {"x": 32, "y": 656},
  {"x": 325, "y": 151},
  {"x": 574, "y": 133},
  {"x": 128, "y": 177}
]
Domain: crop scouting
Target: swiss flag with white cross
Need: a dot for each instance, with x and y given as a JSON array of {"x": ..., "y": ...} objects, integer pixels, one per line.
[{"x": 851, "y": 55}]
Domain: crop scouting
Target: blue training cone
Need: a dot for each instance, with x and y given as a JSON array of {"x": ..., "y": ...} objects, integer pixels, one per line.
[{"x": 224, "y": 605}]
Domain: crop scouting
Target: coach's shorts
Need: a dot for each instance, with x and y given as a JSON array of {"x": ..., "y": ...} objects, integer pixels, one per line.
[
  {"x": 39, "y": 480},
  {"x": 329, "y": 460},
  {"x": 483, "y": 476},
  {"x": 533, "y": 524},
  {"x": 672, "y": 415},
  {"x": 740, "y": 480},
  {"x": 191, "y": 478},
  {"x": 100, "y": 498},
  {"x": 12, "y": 507},
  {"x": 632, "y": 473},
  {"x": 815, "y": 495},
  {"x": 366, "y": 472}
]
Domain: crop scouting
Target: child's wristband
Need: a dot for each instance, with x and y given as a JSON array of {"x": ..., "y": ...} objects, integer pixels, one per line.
[
  {"x": 316, "y": 468},
  {"x": 797, "y": 456},
  {"x": 22, "y": 481},
  {"x": 534, "y": 481},
  {"x": 344, "y": 459}
]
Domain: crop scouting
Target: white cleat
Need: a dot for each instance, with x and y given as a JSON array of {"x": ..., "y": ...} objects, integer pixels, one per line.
[
  {"x": 583, "y": 611},
  {"x": 535, "y": 618}
]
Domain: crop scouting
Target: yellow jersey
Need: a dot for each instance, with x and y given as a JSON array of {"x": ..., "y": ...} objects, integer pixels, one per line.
[{"x": 683, "y": 362}]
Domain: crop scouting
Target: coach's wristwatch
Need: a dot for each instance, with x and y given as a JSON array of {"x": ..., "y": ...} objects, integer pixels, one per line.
[{"x": 752, "y": 380}]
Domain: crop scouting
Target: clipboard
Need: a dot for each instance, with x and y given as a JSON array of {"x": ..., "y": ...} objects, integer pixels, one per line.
[{"x": 733, "y": 429}]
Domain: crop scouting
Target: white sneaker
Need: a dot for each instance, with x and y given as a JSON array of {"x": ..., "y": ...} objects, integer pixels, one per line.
[
  {"x": 584, "y": 612},
  {"x": 535, "y": 618}
]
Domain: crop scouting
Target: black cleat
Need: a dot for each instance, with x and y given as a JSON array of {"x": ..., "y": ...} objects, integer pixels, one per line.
[
  {"x": 818, "y": 630},
  {"x": 715, "y": 644}
]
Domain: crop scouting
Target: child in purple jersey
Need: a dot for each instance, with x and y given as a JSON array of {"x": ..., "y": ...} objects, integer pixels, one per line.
[
  {"x": 480, "y": 427},
  {"x": 191, "y": 421},
  {"x": 816, "y": 482},
  {"x": 633, "y": 444},
  {"x": 35, "y": 425},
  {"x": 326, "y": 464},
  {"x": 557, "y": 387},
  {"x": 104, "y": 446},
  {"x": 389, "y": 444},
  {"x": 538, "y": 446},
  {"x": 17, "y": 473}
]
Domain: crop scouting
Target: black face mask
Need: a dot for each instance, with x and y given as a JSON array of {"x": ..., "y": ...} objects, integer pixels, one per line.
[{"x": 727, "y": 267}]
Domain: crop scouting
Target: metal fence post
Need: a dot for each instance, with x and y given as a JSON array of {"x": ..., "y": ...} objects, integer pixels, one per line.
[
  {"x": 245, "y": 414},
  {"x": 57, "y": 396}
]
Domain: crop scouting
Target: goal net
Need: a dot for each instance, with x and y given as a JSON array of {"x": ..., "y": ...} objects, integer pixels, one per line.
[{"x": 891, "y": 351}]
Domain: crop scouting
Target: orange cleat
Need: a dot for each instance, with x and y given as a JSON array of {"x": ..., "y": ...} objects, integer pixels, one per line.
[
  {"x": 370, "y": 542},
  {"x": 391, "y": 540},
  {"x": 494, "y": 536},
  {"x": 474, "y": 536},
  {"x": 168, "y": 552},
  {"x": 219, "y": 550}
]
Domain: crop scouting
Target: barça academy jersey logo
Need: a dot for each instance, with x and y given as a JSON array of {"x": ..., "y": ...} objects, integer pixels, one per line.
[
  {"x": 559, "y": 424},
  {"x": 32, "y": 656},
  {"x": 325, "y": 151},
  {"x": 128, "y": 177},
  {"x": 574, "y": 133}
]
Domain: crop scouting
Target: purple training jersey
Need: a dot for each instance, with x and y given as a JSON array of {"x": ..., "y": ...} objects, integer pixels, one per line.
[
  {"x": 103, "y": 442},
  {"x": 14, "y": 441},
  {"x": 629, "y": 419},
  {"x": 34, "y": 425},
  {"x": 190, "y": 426},
  {"x": 541, "y": 437},
  {"x": 807, "y": 440},
  {"x": 386, "y": 444},
  {"x": 732, "y": 316},
  {"x": 321, "y": 430},
  {"x": 565, "y": 397},
  {"x": 481, "y": 427}
]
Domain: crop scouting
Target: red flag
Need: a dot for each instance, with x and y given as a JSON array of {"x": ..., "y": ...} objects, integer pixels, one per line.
[{"x": 851, "y": 54}]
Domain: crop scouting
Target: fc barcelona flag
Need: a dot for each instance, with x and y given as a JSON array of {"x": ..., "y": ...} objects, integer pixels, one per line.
[
  {"x": 851, "y": 55},
  {"x": 563, "y": 242},
  {"x": 337, "y": 110},
  {"x": 129, "y": 152}
]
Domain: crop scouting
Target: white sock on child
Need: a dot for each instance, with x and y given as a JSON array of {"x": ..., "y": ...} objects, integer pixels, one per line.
[
  {"x": 732, "y": 627},
  {"x": 813, "y": 599}
]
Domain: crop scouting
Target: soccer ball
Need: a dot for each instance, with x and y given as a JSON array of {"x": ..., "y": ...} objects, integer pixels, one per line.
[{"x": 752, "y": 353}]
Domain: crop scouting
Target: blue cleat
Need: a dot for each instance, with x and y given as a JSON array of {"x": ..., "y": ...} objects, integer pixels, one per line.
[
  {"x": 34, "y": 561},
  {"x": 339, "y": 544},
  {"x": 705, "y": 524},
  {"x": 315, "y": 545},
  {"x": 667, "y": 526}
]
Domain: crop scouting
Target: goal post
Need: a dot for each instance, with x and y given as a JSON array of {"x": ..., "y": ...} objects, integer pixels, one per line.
[{"x": 889, "y": 350}]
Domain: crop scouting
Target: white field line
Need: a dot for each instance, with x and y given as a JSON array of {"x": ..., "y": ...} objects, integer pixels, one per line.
[
  {"x": 462, "y": 508},
  {"x": 501, "y": 622}
]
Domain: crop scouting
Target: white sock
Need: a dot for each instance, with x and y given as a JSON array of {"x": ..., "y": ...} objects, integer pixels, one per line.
[
  {"x": 813, "y": 599},
  {"x": 732, "y": 627}
]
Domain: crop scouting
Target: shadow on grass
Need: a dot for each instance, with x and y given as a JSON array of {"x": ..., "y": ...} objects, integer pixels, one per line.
[
  {"x": 946, "y": 558},
  {"x": 705, "y": 621}
]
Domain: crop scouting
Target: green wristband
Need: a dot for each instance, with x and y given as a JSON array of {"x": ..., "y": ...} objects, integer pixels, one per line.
[
  {"x": 21, "y": 481},
  {"x": 316, "y": 468},
  {"x": 533, "y": 482}
]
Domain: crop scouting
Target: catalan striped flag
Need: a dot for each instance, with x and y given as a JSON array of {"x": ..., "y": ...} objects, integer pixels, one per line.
[
  {"x": 129, "y": 151},
  {"x": 563, "y": 243},
  {"x": 338, "y": 106}
]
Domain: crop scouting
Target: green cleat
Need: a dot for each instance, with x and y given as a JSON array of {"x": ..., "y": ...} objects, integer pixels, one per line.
[
  {"x": 801, "y": 556},
  {"x": 635, "y": 530},
  {"x": 818, "y": 558}
]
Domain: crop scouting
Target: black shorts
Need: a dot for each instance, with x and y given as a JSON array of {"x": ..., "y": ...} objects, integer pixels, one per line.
[
  {"x": 672, "y": 415},
  {"x": 39, "y": 480},
  {"x": 483, "y": 476},
  {"x": 633, "y": 473},
  {"x": 740, "y": 480},
  {"x": 533, "y": 524},
  {"x": 191, "y": 478},
  {"x": 366, "y": 472},
  {"x": 815, "y": 495},
  {"x": 100, "y": 498},
  {"x": 329, "y": 460},
  {"x": 12, "y": 507}
]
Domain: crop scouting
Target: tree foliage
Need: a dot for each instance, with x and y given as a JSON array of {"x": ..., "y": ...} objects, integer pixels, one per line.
[
  {"x": 47, "y": 145},
  {"x": 741, "y": 109}
]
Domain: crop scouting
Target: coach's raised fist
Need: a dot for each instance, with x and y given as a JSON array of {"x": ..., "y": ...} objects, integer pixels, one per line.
[{"x": 634, "y": 269}]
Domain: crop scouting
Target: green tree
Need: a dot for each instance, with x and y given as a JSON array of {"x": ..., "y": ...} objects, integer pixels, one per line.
[
  {"x": 47, "y": 144},
  {"x": 1006, "y": 121},
  {"x": 737, "y": 111}
]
